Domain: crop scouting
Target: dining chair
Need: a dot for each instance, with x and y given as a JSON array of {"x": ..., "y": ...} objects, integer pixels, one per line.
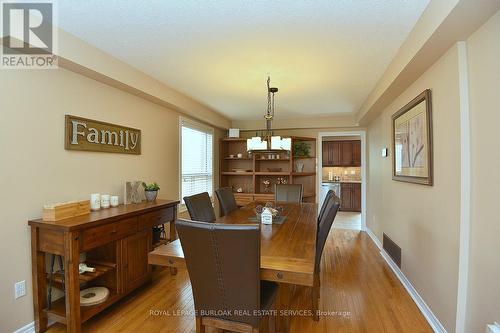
[
  {"x": 226, "y": 200},
  {"x": 288, "y": 193},
  {"x": 200, "y": 207},
  {"x": 325, "y": 203},
  {"x": 223, "y": 262},
  {"x": 324, "y": 226}
]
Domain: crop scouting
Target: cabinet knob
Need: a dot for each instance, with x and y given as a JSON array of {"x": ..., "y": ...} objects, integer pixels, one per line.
[
  {"x": 279, "y": 275},
  {"x": 171, "y": 261},
  {"x": 114, "y": 232}
]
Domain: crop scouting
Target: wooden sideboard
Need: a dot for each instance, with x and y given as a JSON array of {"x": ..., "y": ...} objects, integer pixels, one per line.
[{"x": 116, "y": 241}]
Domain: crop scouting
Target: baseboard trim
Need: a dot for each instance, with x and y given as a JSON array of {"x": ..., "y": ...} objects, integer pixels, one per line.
[
  {"x": 30, "y": 328},
  {"x": 346, "y": 226},
  {"x": 419, "y": 301}
]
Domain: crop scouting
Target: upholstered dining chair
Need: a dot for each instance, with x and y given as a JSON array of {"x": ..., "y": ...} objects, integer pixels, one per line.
[
  {"x": 226, "y": 200},
  {"x": 223, "y": 262},
  {"x": 288, "y": 193},
  {"x": 325, "y": 203},
  {"x": 324, "y": 226},
  {"x": 200, "y": 207}
]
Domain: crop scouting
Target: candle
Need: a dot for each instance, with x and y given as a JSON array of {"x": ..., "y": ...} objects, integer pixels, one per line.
[
  {"x": 105, "y": 201},
  {"x": 114, "y": 201},
  {"x": 95, "y": 201}
]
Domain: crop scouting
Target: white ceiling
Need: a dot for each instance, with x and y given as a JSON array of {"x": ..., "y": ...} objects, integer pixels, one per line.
[{"x": 325, "y": 56}]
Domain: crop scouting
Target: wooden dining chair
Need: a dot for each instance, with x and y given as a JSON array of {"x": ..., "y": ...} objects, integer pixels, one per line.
[
  {"x": 328, "y": 196},
  {"x": 324, "y": 226},
  {"x": 223, "y": 262},
  {"x": 288, "y": 193},
  {"x": 226, "y": 200},
  {"x": 200, "y": 207}
]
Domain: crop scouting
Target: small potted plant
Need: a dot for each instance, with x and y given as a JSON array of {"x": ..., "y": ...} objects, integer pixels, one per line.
[
  {"x": 151, "y": 191},
  {"x": 301, "y": 148}
]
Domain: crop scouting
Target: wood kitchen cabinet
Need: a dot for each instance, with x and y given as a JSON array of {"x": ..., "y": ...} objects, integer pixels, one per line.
[
  {"x": 341, "y": 153},
  {"x": 350, "y": 197}
]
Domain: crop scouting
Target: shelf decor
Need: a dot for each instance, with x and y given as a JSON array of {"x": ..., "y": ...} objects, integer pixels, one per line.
[
  {"x": 412, "y": 141},
  {"x": 260, "y": 171}
]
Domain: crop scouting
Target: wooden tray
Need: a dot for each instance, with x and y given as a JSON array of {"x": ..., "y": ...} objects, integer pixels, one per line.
[{"x": 64, "y": 210}]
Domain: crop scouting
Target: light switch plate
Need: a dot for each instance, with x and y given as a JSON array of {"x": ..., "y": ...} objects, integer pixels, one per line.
[
  {"x": 20, "y": 289},
  {"x": 384, "y": 152}
]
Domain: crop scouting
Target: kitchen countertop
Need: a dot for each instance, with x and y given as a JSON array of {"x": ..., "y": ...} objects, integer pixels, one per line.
[{"x": 342, "y": 181}]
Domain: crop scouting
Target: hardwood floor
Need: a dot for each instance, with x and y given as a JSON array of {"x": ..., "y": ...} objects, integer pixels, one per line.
[{"x": 358, "y": 290}]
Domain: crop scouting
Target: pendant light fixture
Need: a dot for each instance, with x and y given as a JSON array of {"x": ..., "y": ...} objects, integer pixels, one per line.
[{"x": 264, "y": 141}]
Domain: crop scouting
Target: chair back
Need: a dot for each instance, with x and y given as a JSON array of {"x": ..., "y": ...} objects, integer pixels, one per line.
[
  {"x": 200, "y": 207},
  {"x": 288, "y": 193},
  {"x": 325, "y": 203},
  {"x": 324, "y": 227},
  {"x": 226, "y": 200},
  {"x": 223, "y": 262}
]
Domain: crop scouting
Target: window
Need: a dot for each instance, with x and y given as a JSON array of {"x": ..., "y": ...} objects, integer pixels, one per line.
[{"x": 196, "y": 158}]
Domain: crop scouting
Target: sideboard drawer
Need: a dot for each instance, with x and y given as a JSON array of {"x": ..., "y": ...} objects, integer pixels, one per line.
[
  {"x": 97, "y": 236},
  {"x": 160, "y": 216}
]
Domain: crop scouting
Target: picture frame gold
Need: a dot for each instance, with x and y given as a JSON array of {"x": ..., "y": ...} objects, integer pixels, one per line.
[{"x": 412, "y": 158}]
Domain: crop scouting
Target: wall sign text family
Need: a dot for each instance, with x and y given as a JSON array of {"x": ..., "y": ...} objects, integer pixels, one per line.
[{"x": 92, "y": 135}]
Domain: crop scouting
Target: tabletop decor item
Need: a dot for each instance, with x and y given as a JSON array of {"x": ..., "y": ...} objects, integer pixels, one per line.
[
  {"x": 64, "y": 210},
  {"x": 266, "y": 217},
  {"x": 151, "y": 191},
  {"x": 114, "y": 201},
  {"x": 105, "y": 201},
  {"x": 412, "y": 141},
  {"x": 93, "y": 296},
  {"x": 299, "y": 166},
  {"x": 82, "y": 268},
  {"x": 300, "y": 148},
  {"x": 281, "y": 180},
  {"x": 95, "y": 201},
  {"x": 234, "y": 133},
  {"x": 267, "y": 185},
  {"x": 132, "y": 192},
  {"x": 276, "y": 213}
]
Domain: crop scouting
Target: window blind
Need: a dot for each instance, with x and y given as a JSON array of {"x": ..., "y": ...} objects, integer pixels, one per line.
[{"x": 196, "y": 159}]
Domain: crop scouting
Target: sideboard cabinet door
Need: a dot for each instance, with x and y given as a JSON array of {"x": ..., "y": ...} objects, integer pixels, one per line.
[{"x": 135, "y": 251}]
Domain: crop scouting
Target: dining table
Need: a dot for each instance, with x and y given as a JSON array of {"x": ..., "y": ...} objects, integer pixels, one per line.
[{"x": 287, "y": 249}]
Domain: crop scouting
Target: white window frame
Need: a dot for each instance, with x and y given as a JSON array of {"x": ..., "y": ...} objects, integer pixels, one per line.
[{"x": 182, "y": 207}]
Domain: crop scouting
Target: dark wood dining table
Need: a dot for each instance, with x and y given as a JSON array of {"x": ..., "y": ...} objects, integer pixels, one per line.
[{"x": 287, "y": 249}]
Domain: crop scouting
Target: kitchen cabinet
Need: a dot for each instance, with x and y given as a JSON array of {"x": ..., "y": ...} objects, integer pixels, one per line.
[
  {"x": 356, "y": 153},
  {"x": 350, "y": 197},
  {"x": 341, "y": 153}
]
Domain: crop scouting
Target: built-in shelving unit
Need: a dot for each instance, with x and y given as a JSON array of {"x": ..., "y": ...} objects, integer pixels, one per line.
[{"x": 247, "y": 175}]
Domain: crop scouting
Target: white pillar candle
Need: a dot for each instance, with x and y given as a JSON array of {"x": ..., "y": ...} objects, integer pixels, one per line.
[
  {"x": 114, "y": 201},
  {"x": 95, "y": 201},
  {"x": 105, "y": 201}
]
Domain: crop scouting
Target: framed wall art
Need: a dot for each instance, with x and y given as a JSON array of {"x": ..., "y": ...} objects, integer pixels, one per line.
[{"x": 412, "y": 141}]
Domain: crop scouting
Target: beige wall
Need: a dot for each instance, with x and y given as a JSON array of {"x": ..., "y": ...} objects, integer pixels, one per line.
[
  {"x": 36, "y": 170},
  {"x": 484, "y": 269},
  {"x": 423, "y": 220}
]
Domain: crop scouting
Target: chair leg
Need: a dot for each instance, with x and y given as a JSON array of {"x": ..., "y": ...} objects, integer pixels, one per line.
[{"x": 200, "y": 328}]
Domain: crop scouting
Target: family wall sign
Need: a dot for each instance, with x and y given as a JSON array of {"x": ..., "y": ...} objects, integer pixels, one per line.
[{"x": 92, "y": 135}]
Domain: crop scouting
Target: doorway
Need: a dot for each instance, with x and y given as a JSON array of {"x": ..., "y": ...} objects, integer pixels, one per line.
[{"x": 339, "y": 169}]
